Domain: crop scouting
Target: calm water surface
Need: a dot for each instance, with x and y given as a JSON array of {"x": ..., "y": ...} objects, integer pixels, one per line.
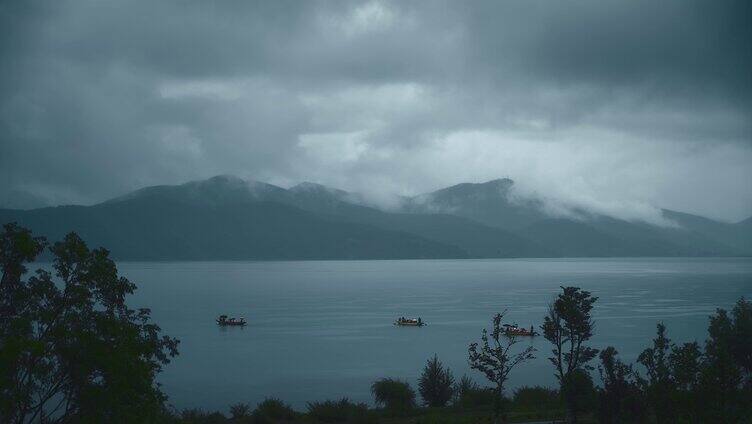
[{"x": 323, "y": 330}]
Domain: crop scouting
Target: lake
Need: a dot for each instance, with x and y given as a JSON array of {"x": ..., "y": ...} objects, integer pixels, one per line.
[{"x": 323, "y": 329}]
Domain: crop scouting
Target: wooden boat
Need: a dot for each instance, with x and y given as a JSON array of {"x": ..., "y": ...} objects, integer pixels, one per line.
[
  {"x": 409, "y": 322},
  {"x": 515, "y": 330},
  {"x": 224, "y": 320}
]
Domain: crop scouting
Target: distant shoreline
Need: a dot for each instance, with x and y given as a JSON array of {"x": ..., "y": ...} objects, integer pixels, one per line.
[{"x": 567, "y": 258}]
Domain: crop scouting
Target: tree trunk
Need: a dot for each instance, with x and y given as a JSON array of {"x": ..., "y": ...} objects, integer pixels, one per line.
[{"x": 498, "y": 407}]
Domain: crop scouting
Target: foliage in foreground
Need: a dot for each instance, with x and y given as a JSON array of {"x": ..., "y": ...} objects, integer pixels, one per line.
[
  {"x": 687, "y": 383},
  {"x": 495, "y": 359},
  {"x": 70, "y": 348},
  {"x": 72, "y": 351}
]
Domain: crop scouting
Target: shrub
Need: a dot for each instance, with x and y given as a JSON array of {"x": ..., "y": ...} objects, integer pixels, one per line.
[
  {"x": 537, "y": 398},
  {"x": 396, "y": 396},
  {"x": 436, "y": 383},
  {"x": 469, "y": 395},
  {"x": 272, "y": 410},
  {"x": 342, "y": 411},
  {"x": 580, "y": 394}
]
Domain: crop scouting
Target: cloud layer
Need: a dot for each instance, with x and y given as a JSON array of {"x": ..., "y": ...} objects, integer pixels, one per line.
[{"x": 620, "y": 107}]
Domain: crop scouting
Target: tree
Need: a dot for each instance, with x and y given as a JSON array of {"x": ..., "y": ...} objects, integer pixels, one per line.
[
  {"x": 685, "y": 366},
  {"x": 436, "y": 383},
  {"x": 722, "y": 376},
  {"x": 741, "y": 341},
  {"x": 70, "y": 348},
  {"x": 568, "y": 326},
  {"x": 620, "y": 398},
  {"x": 496, "y": 360},
  {"x": 397, "y": 396},
  {"x": 659, "y": 387},
  {"x": 240, "y": 413}
]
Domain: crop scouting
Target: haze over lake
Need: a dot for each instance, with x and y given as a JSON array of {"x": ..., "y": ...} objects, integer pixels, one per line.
[{"x": 323, "y": 329}]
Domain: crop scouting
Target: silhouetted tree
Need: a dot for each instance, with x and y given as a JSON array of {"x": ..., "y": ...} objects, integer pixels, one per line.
[
  {"x": 568, "y": 326},
  {"x": 436, "y": 383},
  {"x": 741, "y": 341},
  {"x": 722, "y": 380},
  {"x": 621, "y": 400},
  {"x": 397, "y": 396},
  {"x": 658, "y": 387},
  {"x": 685, "y": 364},
  {"x": 582, "y": 396},
  {"x": 496, "y": 360},
  {"x": 240, "y": 413},
  {"x": 70, "y": 348},
  {"x": 464, "y": 385}
]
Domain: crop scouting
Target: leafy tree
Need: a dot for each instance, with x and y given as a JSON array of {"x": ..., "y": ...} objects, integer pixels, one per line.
[
  {"x": 722, "y": 375},
  {"x": 397, "y": 396},
  {"x": 741, "y": 341},
  {"x": 659, "y": 387},
  {"x": 620, "y": 399},
  {"x": 685, "y": 365},
  {"x": 436, "y": 383},
  {"x": 568, "y": 326},
  {"x": 70, "y": 348},
  {"x": 240, "y": 413},
  {"x": 496, "y": 360}
]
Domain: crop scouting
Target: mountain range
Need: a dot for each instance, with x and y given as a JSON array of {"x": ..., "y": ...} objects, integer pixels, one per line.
[{"x": 227, "y": 218}]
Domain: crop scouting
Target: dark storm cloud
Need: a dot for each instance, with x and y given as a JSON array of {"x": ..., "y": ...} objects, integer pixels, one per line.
[{"x": 617, "y": 106}]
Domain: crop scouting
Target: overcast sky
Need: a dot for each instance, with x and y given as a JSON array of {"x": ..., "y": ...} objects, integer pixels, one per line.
[{"x": 621, "y": 107}]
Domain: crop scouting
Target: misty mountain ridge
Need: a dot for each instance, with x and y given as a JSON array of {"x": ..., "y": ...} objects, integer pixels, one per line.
[{"x": 226, "y": 217}]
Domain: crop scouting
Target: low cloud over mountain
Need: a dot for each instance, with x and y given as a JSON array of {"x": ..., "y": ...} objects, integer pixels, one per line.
[
  {"x": 618, "y": 108},
  {"x": 227, "y": 217}
]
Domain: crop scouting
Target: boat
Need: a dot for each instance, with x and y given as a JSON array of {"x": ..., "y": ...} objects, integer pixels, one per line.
[
  {"x": 409, "y": 322},
  {"x": 515, "y": 330},
  {"x": 224, "y": 320}
]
